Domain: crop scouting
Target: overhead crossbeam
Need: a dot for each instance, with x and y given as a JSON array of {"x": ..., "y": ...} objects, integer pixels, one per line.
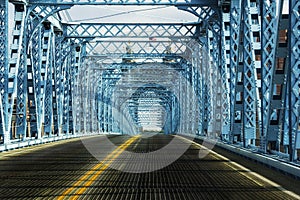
[
  {"x": 149, "y": 46},
  {"x": 112, "y": 30},
  {"x": 212, "y": 3}
]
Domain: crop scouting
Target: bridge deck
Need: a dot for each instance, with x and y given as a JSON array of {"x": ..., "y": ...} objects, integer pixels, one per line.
[{"x": 67, "y": 169}]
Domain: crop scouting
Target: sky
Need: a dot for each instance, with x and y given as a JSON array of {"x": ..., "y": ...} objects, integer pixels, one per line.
[{"x": 129, "y": 14}]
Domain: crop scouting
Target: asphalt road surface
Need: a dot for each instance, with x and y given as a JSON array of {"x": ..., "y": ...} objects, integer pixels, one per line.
[{"x": 129, "y": 168}]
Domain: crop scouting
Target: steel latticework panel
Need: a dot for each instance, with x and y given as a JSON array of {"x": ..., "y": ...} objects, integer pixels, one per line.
[{"x": 232, "y": 74}]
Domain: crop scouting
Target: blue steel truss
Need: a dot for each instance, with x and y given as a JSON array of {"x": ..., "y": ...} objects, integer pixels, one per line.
[
  {"x": 109, "y": 30},
  {"x": 294, "y": 73},
  {"x": 48, "y": 90},
  {"x": 4, "y": 70},
  {"x": 60, "y": 78},
  {"x": 150, "y": 46},
  {"x": 212, "y": 3},
  {"x": 235, "y": 31},
  {"x": 270, "y": 26},
  {"x": 215, "y": 60},
  {"x": 249, "y": 90},
  {"x": 224, "y": 72},
  {"x": 203, "y": 13}
]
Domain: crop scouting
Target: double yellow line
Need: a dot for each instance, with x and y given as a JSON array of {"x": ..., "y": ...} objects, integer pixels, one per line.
[{"x": 90, "y": 176}]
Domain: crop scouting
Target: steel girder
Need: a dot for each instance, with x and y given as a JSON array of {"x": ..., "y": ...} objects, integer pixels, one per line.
[
  {"x": 4, "y": 71},
  {"x": 224, "y": 72},
  {"x": 206, "y": 91},
  {"x": 211, "y": 3},
  {"x": 75, "y": 84},
  {"x": 215, "y": 73},
  {"x": 188, "y": 100},
  {"x": 245, "y": 68},
  {"x": 58, "y": 86},
  {"x": 18, "y": 69},
  {"x": 197, "y": 83},
  {"x": 167, "y": 32},
  {"x": 66, "y": 92},
  {"x": 33, "y": 17},
  {"x": 27, "y": 22},
  {"x": 35, "y": 83},
  {"x": 148, "y": 47},
  {"x": 249, "y": 74},
  {"x": 40, "y": 81},
  {"x": 235, "y": 58},
  {"x": 294, "y": 75},
  {"x": 271, "y": 110},
  {"x": 113, "y": 30},
  {"x": 110, "y": 80},
  {"x": 49, "y": 42},
  {"x": 88, "y": 82}
]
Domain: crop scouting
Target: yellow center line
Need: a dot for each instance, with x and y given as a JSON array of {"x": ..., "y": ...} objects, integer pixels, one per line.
[
  {"x": 95, "y": 171},
  {"x": 103, "y": 168}
]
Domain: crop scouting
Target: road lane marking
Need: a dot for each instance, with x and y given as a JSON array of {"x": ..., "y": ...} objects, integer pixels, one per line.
[
  {"x": 241, "y": 167},
  {"x": 230, "y": 164},
  {"x": 89, "y": 177}
]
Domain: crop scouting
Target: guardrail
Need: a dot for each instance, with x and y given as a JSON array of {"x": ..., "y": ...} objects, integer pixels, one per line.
[
  {"x": 292, "y": 169},
  {"x": 15, "y": 144}
]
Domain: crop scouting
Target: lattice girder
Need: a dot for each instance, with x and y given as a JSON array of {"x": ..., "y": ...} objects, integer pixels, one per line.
[
  {"x": 225, "y": 67},
  {"x": 27, "y": 18},
  {"x": 235, "y": 31},
  {"x": 249, "y": 114},
  {"x": 48, "y": 90},
  {"x": 58, "y": 84},
  {"x": 211, "y": 3},
  {"x": 140, "y": 30},
  {"x": 35, "y": 96},
  {"x": 4, "y": 70},
  {"x": 270, "y": 28},
  {"x": 215, "y": 73},
  {"x": 151, "y": 46},
  {"x": 294, "y": 98}
]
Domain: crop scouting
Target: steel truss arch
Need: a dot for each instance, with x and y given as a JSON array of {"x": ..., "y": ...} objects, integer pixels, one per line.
[
  {"x": 212, "y": 3},
  {"x": 241, "y": 58}
]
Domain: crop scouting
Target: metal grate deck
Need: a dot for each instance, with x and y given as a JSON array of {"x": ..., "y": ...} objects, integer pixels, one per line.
[{"x": 47, "y": 173}]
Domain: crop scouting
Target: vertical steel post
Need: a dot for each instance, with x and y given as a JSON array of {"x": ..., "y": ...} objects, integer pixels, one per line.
[
  {"x": 235, "y": 32},
  {"x": 4, "y": 51},
  {"x": 21, "y": 81},
  {"x": 58, "y": 77},
  {"x": 249, "y": 91},
  {"x": 225, "y": 62},
  {"x": 66, "y": 97},
  {"x": 269, "y": 37},
  {"x": 48, "y": 109},
  {"x": 34, "y": 96},
  {"x": 294, "y": 78}
]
